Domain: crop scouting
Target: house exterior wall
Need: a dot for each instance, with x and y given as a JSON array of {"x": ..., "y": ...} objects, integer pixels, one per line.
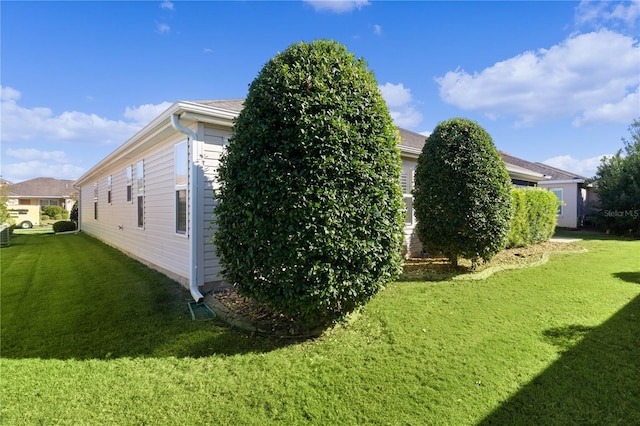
[
  {"x": 156, "y": 243},
  {"x": 572, "y": 198},
  {"x": 213, "y": 147}
]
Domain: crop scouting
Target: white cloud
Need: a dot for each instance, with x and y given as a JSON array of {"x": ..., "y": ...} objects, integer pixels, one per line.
[
  {"x": 576, "y": 77},
  {"x": 337, "y": 6},
  {"x": 599, "y": 13},
  {"x": 19, "y": 123},
  {"x": 35, "y": 154},
  {"x": 584, "y": 167},
  {"x": 166, "y": 5},
  {"x": 207, "y": 50},
  {"x": 18, "y": 172},
  {"x": 629, "y": 106},
  {"x": 163, "y": 28},
  {"x": 9, "y": 94},
  {"x": 377, "y": 29},
  {"x": 143, "y": 114},
  {"x": 401, "y": 105}
]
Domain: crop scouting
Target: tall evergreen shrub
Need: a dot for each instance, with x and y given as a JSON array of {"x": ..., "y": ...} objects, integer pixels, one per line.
[
  {"x": 542, "y": 207},
  {"x": 310, "y": 216},
  {"x": 462, "y": 195}
]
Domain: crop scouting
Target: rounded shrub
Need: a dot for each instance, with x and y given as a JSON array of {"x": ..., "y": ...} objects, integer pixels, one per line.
[
  {"x": 310, "y": 216},
  {"x": 52, "y": 211},
  {"x": 542, "y": 209},
  {"x": 462, "y": 195},
  {"x": 44, "y": 217},
  {"x": 64, "y": 226}
]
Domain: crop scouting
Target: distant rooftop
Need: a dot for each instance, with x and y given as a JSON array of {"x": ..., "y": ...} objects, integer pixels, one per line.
[{"x": 42, "y": 187}]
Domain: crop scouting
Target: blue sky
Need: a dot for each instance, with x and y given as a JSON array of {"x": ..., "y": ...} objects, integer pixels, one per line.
[{"x": 556, "y": 82}]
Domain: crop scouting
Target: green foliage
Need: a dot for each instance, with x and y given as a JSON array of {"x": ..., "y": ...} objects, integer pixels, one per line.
[
  {"x": 534, "y": 216},
  {"x": 44, "y": 217},
  {"x": 462, "y": 195},
  {"x": 310, "y": 219},
  {"x": 64, "y": 226},
  {"x": 52, "y": 211},
  {"x": 519, "y": 231},
  {"x": 618, "y": 187},
  {"x": 74, "y": 213},
  {"x": 5, "y": 217},
  {"x": 542, "y": 210}
]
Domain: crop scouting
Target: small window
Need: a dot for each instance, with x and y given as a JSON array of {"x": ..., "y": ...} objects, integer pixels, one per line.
[
  {"x": 140, "y": 185},
  {"x": 558, "y": 193},
  {"x": 95, "y": 201},
  {"x": 109, "y": 189},
  {"x": 181, "y": 211},
  {"x": 181, "y": 166},
  {"x": 129, "y": 173}
]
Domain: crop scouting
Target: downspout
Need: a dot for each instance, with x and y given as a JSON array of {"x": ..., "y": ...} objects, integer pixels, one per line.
[{"x": 193, "y": 210}]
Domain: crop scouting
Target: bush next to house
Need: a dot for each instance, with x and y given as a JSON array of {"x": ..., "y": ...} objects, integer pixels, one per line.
[
  {"x": 73, "y": 216},
  {"x": 64, "y": 226},
  {"x": 52, "y": 211},
  {"x": 462, "y": 195},
  {"x": 534, "y": 216},
  {"x": 310, "y": 219}
]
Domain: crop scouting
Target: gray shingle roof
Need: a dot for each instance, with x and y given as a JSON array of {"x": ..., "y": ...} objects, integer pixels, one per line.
[
  {"x": 43, "y": 187},
  {"x": 234, "y": 105},
  {"x": 555, "y": 173}
]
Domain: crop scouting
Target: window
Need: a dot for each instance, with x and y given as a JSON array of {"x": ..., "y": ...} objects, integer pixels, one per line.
[
  {"x": 140, "y": 185},
  {"x": 558, "y": 193},
  {"x": 95, "y": 201},
  {"x": 109, "y": 189},
  {"x": 181, "y": 163},
  {"x": 129, "y": 173},
  {"x": 406, "y": 182}
]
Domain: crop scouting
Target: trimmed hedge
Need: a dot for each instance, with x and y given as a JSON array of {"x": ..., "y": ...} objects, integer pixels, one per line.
[
  {"x": 311, "y": 216},
  {"x": 462, "y": 193},
  {"x": 534, "y": 216},
  {"x": 64, "y": 226}
]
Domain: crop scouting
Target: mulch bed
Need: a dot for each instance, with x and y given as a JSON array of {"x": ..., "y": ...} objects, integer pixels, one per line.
[{"x": 246, "y": 314}]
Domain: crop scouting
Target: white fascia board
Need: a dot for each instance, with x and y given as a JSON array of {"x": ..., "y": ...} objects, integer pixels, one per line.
[
  {"x": 408, "y": 151},
  {"x": 129, "y": 149},
  {"x": 556, "y": 182}
]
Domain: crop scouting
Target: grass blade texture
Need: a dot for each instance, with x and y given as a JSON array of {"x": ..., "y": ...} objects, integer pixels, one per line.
[{"x": 90, "y": 336}]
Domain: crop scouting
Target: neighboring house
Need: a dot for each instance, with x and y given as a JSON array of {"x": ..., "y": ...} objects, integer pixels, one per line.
[
  {"x": 153, "y": 196},
  {"x": 572, "y": 190},
  {"x": 42, "y": 192}
]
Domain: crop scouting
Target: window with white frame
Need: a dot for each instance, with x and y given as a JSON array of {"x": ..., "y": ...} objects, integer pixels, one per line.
[
  {"x": 181, "y": 166},
  {"x": 140, "y": 186},
  {"x": 109, "y": 189},
  {"x": 558, "y": 193},
  {"x": 406, "y": 182},
  {"x": 95, "y": 201},
  {"x": 129, "y": 175}
]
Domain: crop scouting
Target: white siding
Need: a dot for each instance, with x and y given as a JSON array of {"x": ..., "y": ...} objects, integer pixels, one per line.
[
  {"x": 214, "y": 139},
  {"x": 157, "y": 243}
]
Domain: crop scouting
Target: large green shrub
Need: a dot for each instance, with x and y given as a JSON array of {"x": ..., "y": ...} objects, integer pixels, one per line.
[
  {"x": 462, "y": 198},
  {"x": 542, "y": 208},
  {"x": 64, "y": 226},
  {"x": 310, "y": 215},
  {"x": 534, "y": 216}
]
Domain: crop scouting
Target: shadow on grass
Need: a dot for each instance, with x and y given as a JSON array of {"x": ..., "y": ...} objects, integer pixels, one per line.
[
  {"x": 589, "y": 234},
  {"x": 631, "y": 277},
  {"x": 90, "y": 301},
  {"x": 595, "y": 380}
]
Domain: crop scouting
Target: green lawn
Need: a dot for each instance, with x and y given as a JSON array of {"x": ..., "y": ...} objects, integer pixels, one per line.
[{"x": 92, "y": 337}]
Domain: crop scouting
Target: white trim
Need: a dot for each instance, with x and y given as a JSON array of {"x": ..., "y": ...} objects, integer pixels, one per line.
[{"x": 549, "y": 182}]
